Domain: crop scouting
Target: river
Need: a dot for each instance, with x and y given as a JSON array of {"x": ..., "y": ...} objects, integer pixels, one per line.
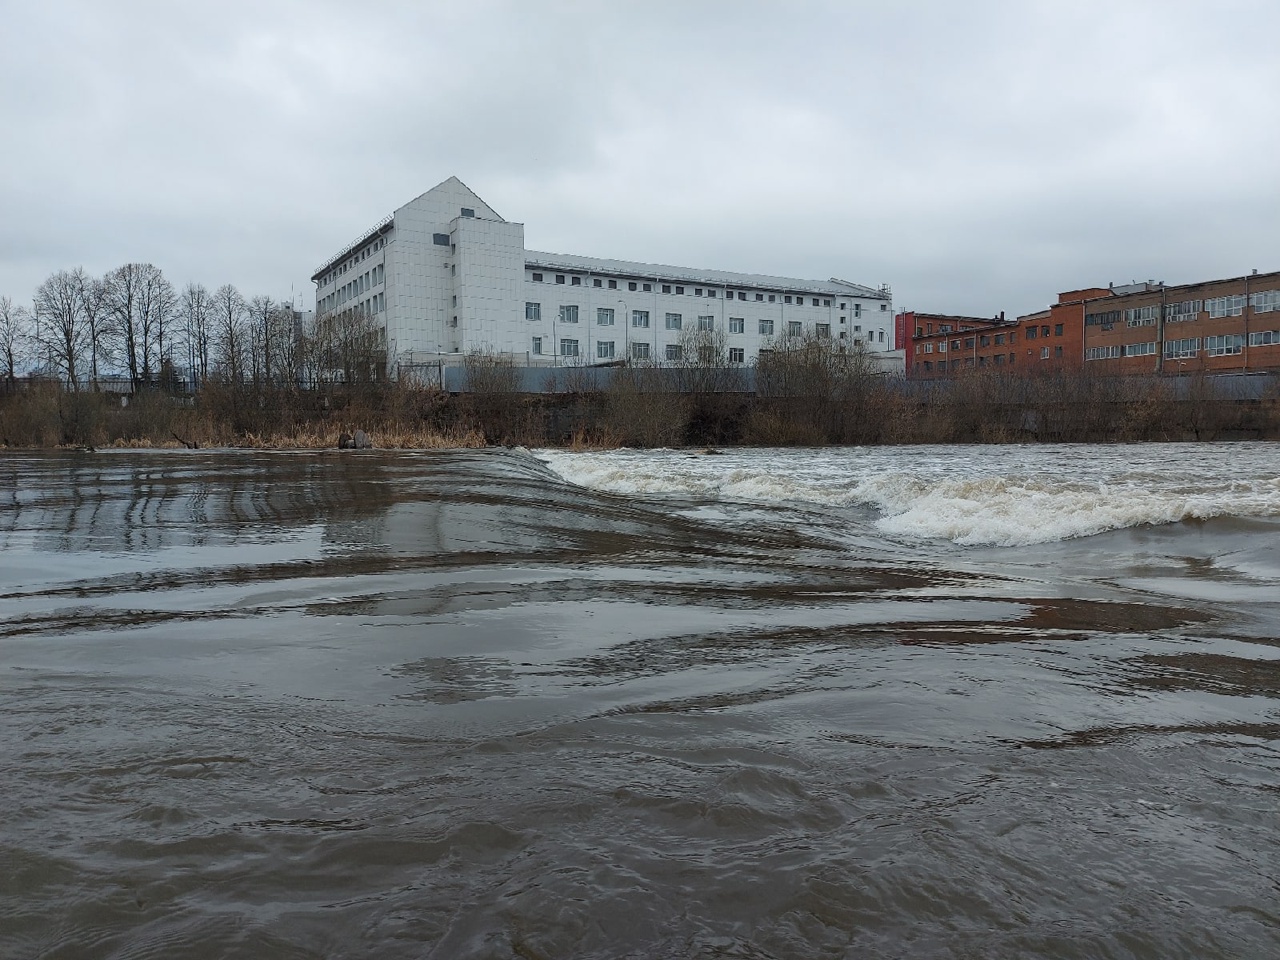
[{"x": 1017, "y": 701}]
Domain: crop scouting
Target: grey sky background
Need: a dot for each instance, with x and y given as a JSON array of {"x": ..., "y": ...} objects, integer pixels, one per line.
[{"x": 977, "y": 156}]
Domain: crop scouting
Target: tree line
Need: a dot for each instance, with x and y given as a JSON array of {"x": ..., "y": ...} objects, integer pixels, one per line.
[{"x": 134, "y": 323}]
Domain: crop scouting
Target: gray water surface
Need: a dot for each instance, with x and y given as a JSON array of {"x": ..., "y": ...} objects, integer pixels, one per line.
[{"x": 448, "y": 705}]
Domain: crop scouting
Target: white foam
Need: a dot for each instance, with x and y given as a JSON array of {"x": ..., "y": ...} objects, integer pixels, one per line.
[{"x": 1004, "y": 496}]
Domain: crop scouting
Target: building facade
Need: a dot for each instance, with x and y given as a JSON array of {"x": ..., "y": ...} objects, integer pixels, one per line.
[
  {"x": 445, "y": 275},
  {"x": 1218, "y": 326}
]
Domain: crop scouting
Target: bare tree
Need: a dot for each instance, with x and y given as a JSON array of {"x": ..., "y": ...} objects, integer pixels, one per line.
[
  {"x": 229, "y": 335},
  {"x": 260, "y": 311},
  {"x": 92, "y": 293},
  {"x": 139, "y": 300},
  {"x": 195, "y": 308},
  {"x": 60, "y": 326},
  {"x": 15, "y": 332}
]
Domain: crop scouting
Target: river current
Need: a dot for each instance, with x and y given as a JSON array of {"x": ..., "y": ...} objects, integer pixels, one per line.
[{"x": 900, "y": 702}]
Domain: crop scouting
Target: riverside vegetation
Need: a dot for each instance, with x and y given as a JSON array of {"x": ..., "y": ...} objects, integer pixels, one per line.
[{"x": 807, "y": 392}]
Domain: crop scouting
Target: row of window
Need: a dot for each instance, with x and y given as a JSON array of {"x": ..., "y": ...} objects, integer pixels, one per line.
[
  {"x": 607, "y": 350},
  {"x": 367, "y": 251},
  {"x": 605, "y": 317},
  {"x": 1186, "y": 347},
  {"x": 1233, "y": 305},
  {"x": 353, "y": 288},
  {"x": 709, "y": 292}
]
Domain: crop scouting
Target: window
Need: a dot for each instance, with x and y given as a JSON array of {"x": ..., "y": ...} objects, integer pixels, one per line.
[
  {"x": 559, "y": 278},
  {"x": 1103, "y": 320},
  {"x": 881, "y": 336},
  {"x": 1057, "y": 351},
  {"x": 674, "y": 321},
  {"x": 984, "y": 341},
  {"x": 772, "y": 298},
  {"x": 766, "y": 328},
  {"x": 999, "y": 359},
  {"x": 737, "y": 355},
  {"x": 697, "y": 291},
  {"x": 1044, "y": 353},
  {"x": 760, "y": 297},
  {"x": 648, "y": 287},
  {"x": 706, "y": 323},
  {"x": 1265, "y": 302},
  {"x": 604, "y": 349},
  {"x": 595, "y": 282},
  {"x": 815, "y": 301},
  {"x": 604, "y": 316},
  {"x": 1044, "y": 331},
  {"x": 569, "y": 313},
  {"x": 1136, "y": 349},
  {"x": 1223, "y": 307},
  {"x": 468, "y": 212},
  {"x": 737, "y": 325},
  {"x": 711, "y": 294},
  {"x": 942, "y": 346},
  {"x": 674, "y": 351},
  {"x": 666, "y": 288},
  {"x": 631, "y": 286},
  {"x": 1184, "y": 348},
  {"x": 613, "y": 284},
  {"x": 741, "y": 295},
  {"x": 640, "y": 318},
  {"x": 999, "y": 339},
  {"x": 824, "y": 330},
  {"x": 884, "y": 308},
  {"x": 968, "y": 343},
  {"x": 639, "y": 351},
  {"x": 679, "y": 291},
  {"x": 575, "y": 281},
  {"x": 794, "y": 328},
  {"x": 1101, "y": 353},
  {"x": 537, "y": 346},
  {"x": 537, "y": 278},
  {"x": 1264, "y": 338},
  {"x": 786, "y": 299},
  {"x": 1057, "y": 329},
  {"x": 1136, "y": 317},
  {"x": 955, "y": 344},
  {"x": 1223, "y": 346},
  {"x": 440, "y": 239},
  {"x": 568, "y": 348},
  {"x": 532, "y": 311},
  {"x": 1031, "y": 333},
  {"x": 728, "y": 294},
  {"x": 826, "y": 303}
]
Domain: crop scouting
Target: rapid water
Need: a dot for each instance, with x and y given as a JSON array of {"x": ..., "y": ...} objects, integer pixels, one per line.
[{"x": 926, "y": 702}]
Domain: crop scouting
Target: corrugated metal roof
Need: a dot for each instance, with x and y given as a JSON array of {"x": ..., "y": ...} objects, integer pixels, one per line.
[{"x": 723, "y": 278}]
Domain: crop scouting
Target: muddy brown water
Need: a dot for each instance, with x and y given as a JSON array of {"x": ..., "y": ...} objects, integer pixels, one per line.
[{"x": 448, "y": 705}]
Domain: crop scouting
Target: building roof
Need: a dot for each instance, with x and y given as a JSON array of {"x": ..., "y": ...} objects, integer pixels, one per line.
[{"x": 662, "y": 271}]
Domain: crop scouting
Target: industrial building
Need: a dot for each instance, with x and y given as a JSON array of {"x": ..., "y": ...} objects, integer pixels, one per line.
[
  {"x": 1230, "y": 325},
  {"x": 445, "y": 275}
]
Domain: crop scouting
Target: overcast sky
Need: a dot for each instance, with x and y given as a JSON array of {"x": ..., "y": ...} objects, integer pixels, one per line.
[{"x": 977, "y": 156}]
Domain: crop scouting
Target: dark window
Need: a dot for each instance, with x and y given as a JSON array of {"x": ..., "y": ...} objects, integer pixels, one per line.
[
  {"x": 968, "y": 343},
  {"x": 760, "y": 297},
  {"x": 786, "y": 299},
  {"x": 1031, "y": 333},
  {"x": 537, "y": 278},
  {"x": 741, "y": 295},
  {"x": 631, "y": 286},
  {"x": 576, "y": 281},
  {"x": 1044, "y": 331},
  {"x": 1057, "y": 329},
  {"x": 666, "y": 288},
  {"x": 595, "y": 282},
  {"x": 648, "y": 287},
  {"x": 559, "y": 278},
  {"x": 468, "y": 212},
  {"x": 613, "y": 284},
  {"x": 680, "y": 291},
  {"x": 440, "y": 239}
]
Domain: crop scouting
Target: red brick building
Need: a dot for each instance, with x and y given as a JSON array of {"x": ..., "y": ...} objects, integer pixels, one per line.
[{"x": 1217, "y": 326}]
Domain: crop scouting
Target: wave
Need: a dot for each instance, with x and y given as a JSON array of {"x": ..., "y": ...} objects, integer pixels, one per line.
[{"x": 1009, "y": 497}]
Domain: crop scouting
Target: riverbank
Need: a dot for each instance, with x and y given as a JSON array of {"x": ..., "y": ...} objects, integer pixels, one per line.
[{"x": 983, "y": 408}]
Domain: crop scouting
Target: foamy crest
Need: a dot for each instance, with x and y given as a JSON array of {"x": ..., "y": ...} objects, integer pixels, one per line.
[{"x": 972, "y": 496}]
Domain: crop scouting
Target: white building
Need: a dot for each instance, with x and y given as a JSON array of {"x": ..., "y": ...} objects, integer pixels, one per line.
[{"x": 446, "y": 275}]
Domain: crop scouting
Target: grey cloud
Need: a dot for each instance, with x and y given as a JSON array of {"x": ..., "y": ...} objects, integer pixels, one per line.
[{"x": 977, "y": 156}]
